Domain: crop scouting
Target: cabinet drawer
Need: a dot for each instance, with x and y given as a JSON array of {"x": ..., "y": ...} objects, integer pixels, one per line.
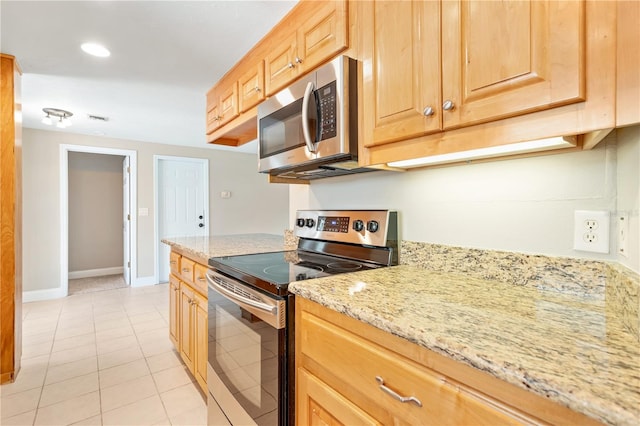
[
  {"x": 186, "y": 269},
  {"x": 174, "y": 263},
  {"x": 370, "y": 374},
  {"x": 200, "y": 279}
]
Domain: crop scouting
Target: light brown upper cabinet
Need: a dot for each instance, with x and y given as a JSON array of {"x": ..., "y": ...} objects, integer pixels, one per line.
[
  {"x": 628, "y": 63},
  {"x": 222, "y": 105},
  {"x": 433, "y": 66},
  {"x": 318, "y": 33}
]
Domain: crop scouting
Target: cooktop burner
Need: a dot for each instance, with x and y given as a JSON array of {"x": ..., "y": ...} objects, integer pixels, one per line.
[{"x": 281, "y": 268}]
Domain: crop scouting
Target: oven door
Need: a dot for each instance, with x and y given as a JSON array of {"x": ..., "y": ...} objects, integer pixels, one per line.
[{"x": 247, "y": 353}]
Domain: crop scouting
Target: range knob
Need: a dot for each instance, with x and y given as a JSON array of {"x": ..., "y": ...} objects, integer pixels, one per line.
[
  {"x": 372, "y": 226},
  {"x": 310, "y": 223},
  {"x": 358, "y": 225},
  {"x": 300, "y": 222}
]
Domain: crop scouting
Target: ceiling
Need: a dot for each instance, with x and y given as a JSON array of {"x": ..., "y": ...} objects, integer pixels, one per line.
[{"x": 165, "y": 55}]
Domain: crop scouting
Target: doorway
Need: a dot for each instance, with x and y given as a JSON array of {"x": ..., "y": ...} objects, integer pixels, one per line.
[
  {"x": 126, "y": 230},
  {"x": 181, "y": 203}
]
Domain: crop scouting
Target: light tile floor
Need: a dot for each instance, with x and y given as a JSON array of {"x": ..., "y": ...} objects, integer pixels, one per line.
[{"x": 101, "y": 358}]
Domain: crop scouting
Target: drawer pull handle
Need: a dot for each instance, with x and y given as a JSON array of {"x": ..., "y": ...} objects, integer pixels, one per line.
[
  {"x": 173, "y": 262},
  {"x": 186, "y": 270},
  {"x": 201, "y": 279},
  {"x": 397, "y": 396}
]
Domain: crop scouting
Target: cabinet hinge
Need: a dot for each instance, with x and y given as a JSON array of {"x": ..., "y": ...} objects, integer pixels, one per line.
[{"x": 128, "y": 264}]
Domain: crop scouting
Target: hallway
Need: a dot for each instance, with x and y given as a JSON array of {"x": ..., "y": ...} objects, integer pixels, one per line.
[{"x": 101, "y": 358}]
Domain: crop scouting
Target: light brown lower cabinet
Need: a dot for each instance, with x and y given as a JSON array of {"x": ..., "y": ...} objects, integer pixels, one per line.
[
  {"x": 188, "y": 321},
  {"x": 348, "y": 372}
]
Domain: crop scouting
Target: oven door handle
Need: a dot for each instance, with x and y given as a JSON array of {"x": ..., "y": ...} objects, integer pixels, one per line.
[{"x": 239, "y": 299}]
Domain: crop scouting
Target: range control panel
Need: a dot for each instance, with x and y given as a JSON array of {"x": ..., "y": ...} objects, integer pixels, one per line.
[{"x": 370, "y": 227}]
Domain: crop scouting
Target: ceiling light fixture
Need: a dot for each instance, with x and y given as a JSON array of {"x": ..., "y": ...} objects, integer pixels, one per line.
[
  {"x": 492, "y": 151},
  {"x": 95, "y": 49},
  {"x": 61, "y": 115}
]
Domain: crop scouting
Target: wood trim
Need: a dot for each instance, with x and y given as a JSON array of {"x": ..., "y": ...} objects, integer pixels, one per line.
[
  {"x": 276, "y": 179},
  {"x": 10, "y": 220},
  {"x": 479, "y": 382},
  {"x": 591, "y": 139}
]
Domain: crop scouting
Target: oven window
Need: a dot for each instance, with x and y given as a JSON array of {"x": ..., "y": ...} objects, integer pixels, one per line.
[{"x": 244, "y": 353}]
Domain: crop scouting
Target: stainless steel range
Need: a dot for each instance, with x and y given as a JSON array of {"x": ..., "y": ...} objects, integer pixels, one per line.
[{"x": 250, "y": 374}]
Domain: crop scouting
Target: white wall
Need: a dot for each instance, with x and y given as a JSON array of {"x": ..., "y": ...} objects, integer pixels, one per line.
[
  {"x": 95, "y": 211},
  {"x": 524, "y": 205},
  {"x": 228, "y": 171}
]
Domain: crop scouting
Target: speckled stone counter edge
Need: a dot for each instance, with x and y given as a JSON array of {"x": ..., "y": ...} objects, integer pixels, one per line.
[{"x": 586, "y": 278}]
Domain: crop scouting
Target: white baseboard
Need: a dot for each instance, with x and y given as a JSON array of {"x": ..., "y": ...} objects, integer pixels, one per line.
[
  {"x": 143, "y": 281},
  {"x": 38, "y": 295},
  {"x": 74, "y": 275}
]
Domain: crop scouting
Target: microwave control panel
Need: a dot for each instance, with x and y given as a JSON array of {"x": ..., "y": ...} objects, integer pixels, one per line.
[{"x": 326, "y": 97}]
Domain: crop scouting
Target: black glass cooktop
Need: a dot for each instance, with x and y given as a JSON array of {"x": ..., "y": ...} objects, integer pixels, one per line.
[{"x": 281, "y": 268}]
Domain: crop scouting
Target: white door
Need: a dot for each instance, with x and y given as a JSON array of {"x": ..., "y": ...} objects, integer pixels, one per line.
[
  {"x": 183, "y": 200},
  {"x": 126, "y": 220}
]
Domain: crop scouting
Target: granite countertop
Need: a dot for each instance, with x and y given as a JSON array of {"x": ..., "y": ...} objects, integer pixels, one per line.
[
  {"x": 227, "y": 245},
  {"x": 572, "y": 349}
]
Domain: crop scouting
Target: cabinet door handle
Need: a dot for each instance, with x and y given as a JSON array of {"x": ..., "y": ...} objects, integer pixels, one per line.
[
  {"x": 298, "y": 60},
  {"x": 201, "y": 279},
  {"x": 186, "y": 270},
  {"x": 291, "y": 65},
  {"x": 396, "y": 395},
  {"x": 428, "y": 111},
  {"x": 173, "y": 262},
  {"x": 257, "y": 89},
  {"x": 448, "y": 105}
]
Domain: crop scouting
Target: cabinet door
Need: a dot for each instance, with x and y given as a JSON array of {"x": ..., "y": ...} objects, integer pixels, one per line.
[
  {"x": 251, "y": 87},
  {"x": 280, "y": 66},
  {"x": 318, "y": 404},
  {"x": 201, "y": 341},
  {"x": 501, "y": 59},
  {"x": 228, "y": 103},
  {"x": 213, "y": 111},
  {"x": 375, "y": 373},
  {"x": 401, "y": 59},
  {"x": 174, "y": 311},
  {"x": 323, "y": 34},
  {"x": 187, "y": 341}
]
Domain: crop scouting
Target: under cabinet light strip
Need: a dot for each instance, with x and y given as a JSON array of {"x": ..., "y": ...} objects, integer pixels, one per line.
[{"x": 476, "y": 154}]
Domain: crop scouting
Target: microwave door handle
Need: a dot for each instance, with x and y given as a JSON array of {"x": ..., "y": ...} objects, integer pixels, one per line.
[{"x": 305, "y": 117}]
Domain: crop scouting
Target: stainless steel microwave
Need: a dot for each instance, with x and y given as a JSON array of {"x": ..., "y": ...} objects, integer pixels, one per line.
[{"x": 309, "y": 130}]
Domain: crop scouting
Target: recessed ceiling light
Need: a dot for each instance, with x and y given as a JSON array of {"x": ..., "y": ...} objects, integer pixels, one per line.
[{"x": 95, "y": 49}]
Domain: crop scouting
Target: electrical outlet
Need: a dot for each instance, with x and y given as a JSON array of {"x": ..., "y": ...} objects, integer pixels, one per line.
[
  {"x": 591, "y": 231},
  {"x": 623, "y": 233}
]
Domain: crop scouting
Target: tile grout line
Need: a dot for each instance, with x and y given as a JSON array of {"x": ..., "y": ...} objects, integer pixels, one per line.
[{"x": 46, "y": 373}]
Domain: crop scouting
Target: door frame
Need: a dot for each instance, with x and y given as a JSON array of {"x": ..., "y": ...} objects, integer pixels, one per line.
[
  {"x": 156, "y": 199},
  {"x": 64, "y": 207}
]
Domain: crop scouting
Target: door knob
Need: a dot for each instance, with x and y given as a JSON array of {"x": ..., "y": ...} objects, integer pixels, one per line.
[{"x": 201, "y": 225}]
